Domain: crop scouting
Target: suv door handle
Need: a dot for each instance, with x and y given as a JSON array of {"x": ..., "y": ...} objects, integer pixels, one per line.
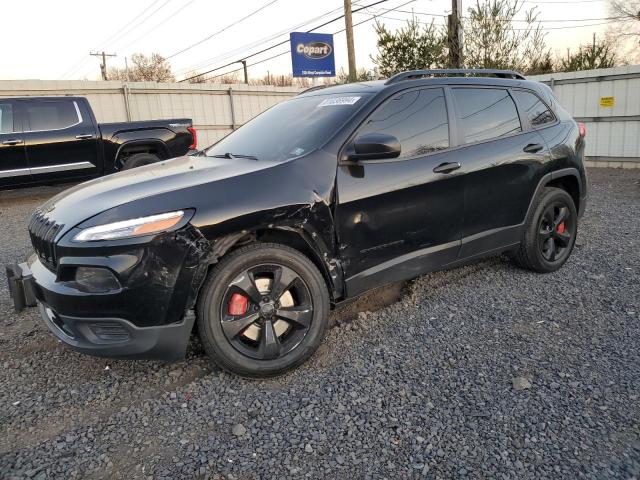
[
  {"x": 13, "y": 141},
  {"x": 533, "y": 148},
  {"x": 84, "y": 136},
  {"x": 446, "y": 167}
]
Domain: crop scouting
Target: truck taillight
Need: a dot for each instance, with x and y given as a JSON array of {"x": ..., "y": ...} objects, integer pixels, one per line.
[
  {"x": 194, "y": 144},
  {"x": 582, "y": 129}
]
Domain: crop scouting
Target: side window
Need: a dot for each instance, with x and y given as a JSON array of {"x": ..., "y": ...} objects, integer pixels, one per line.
[
  {"x": 535, "y": 110},
  {"x": 486, "y": 113},
  {"x": 51, "y": 115},
  {"x": 6, "y": 118},
  {"x": 418, "y": 119}
]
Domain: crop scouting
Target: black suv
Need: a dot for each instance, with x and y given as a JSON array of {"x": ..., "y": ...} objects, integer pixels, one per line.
[{"x": 317, "y": 200}]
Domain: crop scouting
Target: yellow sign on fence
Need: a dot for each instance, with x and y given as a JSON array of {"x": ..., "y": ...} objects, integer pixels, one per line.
[{"x": 607, "y": 102}]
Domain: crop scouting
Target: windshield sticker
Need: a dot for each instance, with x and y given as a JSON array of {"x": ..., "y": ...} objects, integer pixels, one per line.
[{"x": 338, "y": 101}]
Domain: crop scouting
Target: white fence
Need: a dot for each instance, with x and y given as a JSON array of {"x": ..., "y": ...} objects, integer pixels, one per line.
[
  {"x": 608, "y": 102},
  {"x": 215, "y": 109}
]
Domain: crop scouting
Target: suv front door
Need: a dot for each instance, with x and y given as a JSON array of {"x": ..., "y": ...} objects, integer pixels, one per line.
[
  {"x": 503, "y": 161},
  {"x": 60, "y": 139},
  {"x": 397, "y": 218},
  {"x": 14, "y": 169}
]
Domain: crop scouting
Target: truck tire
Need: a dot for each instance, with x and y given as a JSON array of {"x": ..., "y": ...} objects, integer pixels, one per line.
[
  {"x": 140, "y": 159},
  {"x": 262, "y": 310}
]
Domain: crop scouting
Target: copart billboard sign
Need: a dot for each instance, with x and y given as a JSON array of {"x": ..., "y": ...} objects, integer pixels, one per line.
[{"x": 312, "y": 54}]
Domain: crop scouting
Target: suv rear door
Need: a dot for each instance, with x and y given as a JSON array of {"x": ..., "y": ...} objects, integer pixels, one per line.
[
  {"x": 14, "y": 169},
  {"x": 60, "y": 138},
  {"x": 503, "y": 160},
  {"x": 397, "y": 218}
]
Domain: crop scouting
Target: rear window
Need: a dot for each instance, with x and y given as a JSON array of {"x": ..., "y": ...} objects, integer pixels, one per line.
[
  {"x": 534, "y": 108},
  {"x": 486, "y": 113},
  {"x": 6, "y": 118},
  {"x": 51, "y": 115},
  {"x": 292, "y": 128}
]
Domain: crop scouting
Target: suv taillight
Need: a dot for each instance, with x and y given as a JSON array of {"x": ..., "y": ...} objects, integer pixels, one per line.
[
  {"x": 582, "y": 129},
  {"x": 194, "y": 143}
]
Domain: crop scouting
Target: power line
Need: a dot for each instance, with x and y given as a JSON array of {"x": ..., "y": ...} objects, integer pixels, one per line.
[
  {"x": 286, "y": 41},
  {"x": 139, "y": 24},
  {"x": 514, "y": 20},
  {"x": 261, "y": 41},
  {"x": 517, "y": 29},
  {"x": 170, "y": 17},
  {"x": 564, "y": 1},
  {"x": 84, "y": 58},
  {"x": 288, "y": 51},
  {"x": 222, "y": 30},
  {"x": 129, "y": 27},
  {"x": 145, "y": 10}
]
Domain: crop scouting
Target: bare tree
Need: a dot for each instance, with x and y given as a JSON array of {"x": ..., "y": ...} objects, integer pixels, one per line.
[
  {"x": 625, "y": 29},
  {"x": 152, "y": 68}
]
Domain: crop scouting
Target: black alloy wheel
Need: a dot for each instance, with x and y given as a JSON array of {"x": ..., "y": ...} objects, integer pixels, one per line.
[
  {"x": 555, "y": 231},
  {"x": 266, "y": 311},
  {"x": 550, "y": 231},
  {"x": 262, "y": 310}
]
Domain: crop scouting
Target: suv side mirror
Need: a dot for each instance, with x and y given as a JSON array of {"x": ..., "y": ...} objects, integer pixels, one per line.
[{"x": 372, "y": 146}]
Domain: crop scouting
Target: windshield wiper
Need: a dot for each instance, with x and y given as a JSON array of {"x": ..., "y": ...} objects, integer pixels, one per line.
[{"x": 232, "y": 156}]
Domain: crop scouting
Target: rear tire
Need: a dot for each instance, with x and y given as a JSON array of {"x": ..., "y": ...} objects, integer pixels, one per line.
[
  {"x": 262, "y": 310},
  {"x": 139, "y": 160},
  {"x": 550, "y": 232}
]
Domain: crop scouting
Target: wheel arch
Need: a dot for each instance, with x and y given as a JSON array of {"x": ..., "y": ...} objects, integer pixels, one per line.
[
  {"x": 131, "y": 147},
  {"x": 295, "y": 238},
  {"x": 567, "y": 179}
]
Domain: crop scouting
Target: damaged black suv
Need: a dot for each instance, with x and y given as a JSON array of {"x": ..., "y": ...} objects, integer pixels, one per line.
[{"x": 317, "y": 200}]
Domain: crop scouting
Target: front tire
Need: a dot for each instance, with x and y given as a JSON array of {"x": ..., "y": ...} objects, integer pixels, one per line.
[
  {"x": 262, "y": 310},
  {"x": 550, "y": 232}
]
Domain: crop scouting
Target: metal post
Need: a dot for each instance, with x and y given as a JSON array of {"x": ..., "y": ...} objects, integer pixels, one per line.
[
  {"x": 246, "y": 75},
  {"x": 127, "y": 103},
  {"x": 233, "y": 110}
]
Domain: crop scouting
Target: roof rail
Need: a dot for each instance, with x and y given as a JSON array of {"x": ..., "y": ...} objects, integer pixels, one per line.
[{"x": 398, "y": 77}]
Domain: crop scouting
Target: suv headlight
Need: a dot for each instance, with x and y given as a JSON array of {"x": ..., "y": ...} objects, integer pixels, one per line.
[{"x": 135, "y": 227}]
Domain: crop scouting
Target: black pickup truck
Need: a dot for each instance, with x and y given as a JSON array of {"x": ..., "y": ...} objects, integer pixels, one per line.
[{"x": 45, "y": 140}]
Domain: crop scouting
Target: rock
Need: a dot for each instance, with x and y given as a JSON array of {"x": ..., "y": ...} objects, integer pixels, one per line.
[
  {"x": 521, "y": 383},
  {"x": 239, "y": 430},
  {"x": 308, "y": 448}
]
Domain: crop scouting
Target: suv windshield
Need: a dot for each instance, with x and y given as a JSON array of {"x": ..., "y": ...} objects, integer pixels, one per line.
[{"x": 290, "y": 129}]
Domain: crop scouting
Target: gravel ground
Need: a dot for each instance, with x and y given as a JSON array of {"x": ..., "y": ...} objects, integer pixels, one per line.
[{"x": 485, "y": 371}]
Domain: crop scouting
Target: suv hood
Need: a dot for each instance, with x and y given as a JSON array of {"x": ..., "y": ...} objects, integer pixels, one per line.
[{"x": 88, "y": 199}]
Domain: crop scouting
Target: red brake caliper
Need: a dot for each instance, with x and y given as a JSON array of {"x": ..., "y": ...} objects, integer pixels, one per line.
[
  {"x": 560, "y": 227},
  {"x": 237, "y": 304}
]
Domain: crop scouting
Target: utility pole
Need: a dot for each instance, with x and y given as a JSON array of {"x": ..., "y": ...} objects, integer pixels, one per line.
[
  {"x": 103, "y": 65},
  {"x": 351, "y": 53},
  {"x": 246, "y": 75},
  {"x": 455, "y": 34}
]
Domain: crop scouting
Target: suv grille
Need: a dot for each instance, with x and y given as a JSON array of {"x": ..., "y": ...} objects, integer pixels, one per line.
[{"x": 43, "y": 232}]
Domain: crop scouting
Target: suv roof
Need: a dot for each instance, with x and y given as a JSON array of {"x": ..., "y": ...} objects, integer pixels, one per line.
[{"x": 507, "y": 78}]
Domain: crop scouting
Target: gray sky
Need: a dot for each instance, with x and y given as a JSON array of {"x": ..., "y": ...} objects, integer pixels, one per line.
[{"x": 52, "y": 39}]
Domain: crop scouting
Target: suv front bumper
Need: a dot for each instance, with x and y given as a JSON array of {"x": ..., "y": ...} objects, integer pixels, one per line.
[{"x": 31, "y": 284}]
